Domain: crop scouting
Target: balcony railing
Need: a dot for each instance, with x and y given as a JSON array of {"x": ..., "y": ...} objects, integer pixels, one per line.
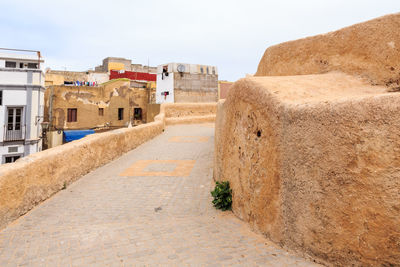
[{"x": 14, "y": 135}]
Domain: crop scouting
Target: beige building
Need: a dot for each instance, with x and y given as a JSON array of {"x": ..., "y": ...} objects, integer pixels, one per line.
[
  {"x": 59, "y": 77},
  {"x": 123, "y": 64},
  {"x": 115, "y": 104}
]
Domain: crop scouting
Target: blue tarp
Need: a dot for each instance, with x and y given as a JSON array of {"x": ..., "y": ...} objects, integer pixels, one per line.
[{"x": 76, "y": 134}]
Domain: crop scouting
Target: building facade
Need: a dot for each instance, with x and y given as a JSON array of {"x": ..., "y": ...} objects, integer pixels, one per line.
[
  {"x": 133, "y": 75},
  {"x": 60, "y": 77},
  {"x": 118, "y": 63},
  {"x": 186, "y": 83},
  {"x": 115, "y": 104},
  {"x": 112, "y": 68},
  {"x": 21, "y": 103}
]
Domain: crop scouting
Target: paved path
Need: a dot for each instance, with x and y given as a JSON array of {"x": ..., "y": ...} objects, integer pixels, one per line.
[{"x": 111, "y": 217}]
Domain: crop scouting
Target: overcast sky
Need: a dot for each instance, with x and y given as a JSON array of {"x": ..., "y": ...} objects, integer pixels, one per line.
[{"x": 233, "y": 35}]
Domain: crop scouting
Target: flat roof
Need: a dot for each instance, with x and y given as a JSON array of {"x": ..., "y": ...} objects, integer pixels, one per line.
[{"x": 16, "y": 56}]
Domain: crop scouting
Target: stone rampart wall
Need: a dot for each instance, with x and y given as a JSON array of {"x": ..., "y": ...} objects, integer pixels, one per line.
[
  {"x": 319, "y": 176},
  {"x": 34, "y": 178},
  {"x": 369, "y": 50}
]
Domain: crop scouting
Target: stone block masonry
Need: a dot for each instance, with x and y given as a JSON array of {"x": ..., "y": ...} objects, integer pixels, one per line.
[
  {"x": 314, "y": 164},
  {"x": 369, "y": 50}
]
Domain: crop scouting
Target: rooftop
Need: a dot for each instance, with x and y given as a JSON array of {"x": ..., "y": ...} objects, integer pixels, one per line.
[{"x": 20, "y": 56}]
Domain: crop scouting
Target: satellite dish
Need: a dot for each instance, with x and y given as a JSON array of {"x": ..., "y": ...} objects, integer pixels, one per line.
[{"x": 181, "y": 68}]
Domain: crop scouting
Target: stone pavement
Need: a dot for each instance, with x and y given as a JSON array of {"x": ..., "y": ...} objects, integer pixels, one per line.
[{"x": 112, "y": 217}]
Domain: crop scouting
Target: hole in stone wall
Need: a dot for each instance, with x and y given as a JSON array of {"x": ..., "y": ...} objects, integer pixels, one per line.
[{"x": 259, "y": 133}]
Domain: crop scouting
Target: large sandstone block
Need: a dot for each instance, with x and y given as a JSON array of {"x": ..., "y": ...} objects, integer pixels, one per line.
[
  {"x": 369, "y": 49},
  {"x": 314, "y": 164}
]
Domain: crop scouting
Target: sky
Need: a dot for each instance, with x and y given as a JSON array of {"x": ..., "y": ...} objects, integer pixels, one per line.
[{"x": 76, "y": 35}]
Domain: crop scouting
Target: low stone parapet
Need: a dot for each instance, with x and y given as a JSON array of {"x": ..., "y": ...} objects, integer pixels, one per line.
[{"x": 33, "y": 179}]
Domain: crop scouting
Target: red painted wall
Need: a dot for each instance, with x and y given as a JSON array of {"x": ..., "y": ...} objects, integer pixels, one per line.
[{"x": 141, "y": 76}]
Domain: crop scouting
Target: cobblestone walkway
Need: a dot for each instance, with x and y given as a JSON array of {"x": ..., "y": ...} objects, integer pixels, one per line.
[{"x": 111, "y": 217}]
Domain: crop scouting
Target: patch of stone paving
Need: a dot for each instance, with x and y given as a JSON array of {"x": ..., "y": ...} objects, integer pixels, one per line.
[
  {"x": 160, "y": 167},
  {"x": 104, "y": 219}
]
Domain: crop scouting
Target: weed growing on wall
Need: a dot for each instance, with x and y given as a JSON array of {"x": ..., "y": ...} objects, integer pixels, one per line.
[{"x": 222, "y": 195}]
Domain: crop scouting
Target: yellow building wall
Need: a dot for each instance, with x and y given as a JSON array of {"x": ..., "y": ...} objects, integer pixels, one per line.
[
  {"x": 53, "y": 79},
  {"x": 116, "y": 66}
]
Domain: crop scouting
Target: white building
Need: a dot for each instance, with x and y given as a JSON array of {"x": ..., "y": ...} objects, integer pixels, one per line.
[
  {"x": 21, "y": 103},
  {"x": 181, "y": 82}
]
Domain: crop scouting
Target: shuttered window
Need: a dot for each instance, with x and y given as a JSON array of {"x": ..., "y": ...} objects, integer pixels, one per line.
[{"x": 72, "y": 115}]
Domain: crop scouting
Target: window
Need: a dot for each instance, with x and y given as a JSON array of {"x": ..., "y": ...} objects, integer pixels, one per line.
[
  {"x": 12, "y": 149},
  {"x": 101, "y": 111},
  {"x": 11, "y": 64},
  {"x": 165, "y": 69},
  {"x": 137, "y": 113},
  {"x": 201, "y": 70},
  {"x": 11, "y": 159},
  {"x": 120, "y": 114},
  {"x": 14, "y": 119},
  {"x": 72, "y": 115},
  {"x": 32, "y": 65},
  {"x": 21, "y": 65},
  {"x": 14, "y": 127},
  {"x": 1, "y": 98},
  {"x": 164, "y": 72},
  {"x": 207, "y": 71}
]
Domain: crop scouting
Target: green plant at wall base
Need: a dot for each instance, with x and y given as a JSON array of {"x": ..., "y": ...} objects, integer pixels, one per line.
[{"x": 222, "y": 195}]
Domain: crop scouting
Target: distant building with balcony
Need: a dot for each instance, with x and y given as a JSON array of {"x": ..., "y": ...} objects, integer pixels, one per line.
[{"x": 21, "y": 103}]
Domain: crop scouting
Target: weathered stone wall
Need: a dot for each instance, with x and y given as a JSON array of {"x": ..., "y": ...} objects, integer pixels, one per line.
[
  {"x": 152, "y": 111},
  {"x": 191, "y": 96},
  {"x": 87, "y": 100},
  {"x": 53, "y": 79},
  {"x": 32, "y": 179},
  {"x": 370, "y": 50},
  {"x": 195, "y": 88},
  {"x": 223, "y": 89},
  {"x": 314, "y": 164},
  {"x": 57, "y": 77},
  {"x": 189, "y": 112}
]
